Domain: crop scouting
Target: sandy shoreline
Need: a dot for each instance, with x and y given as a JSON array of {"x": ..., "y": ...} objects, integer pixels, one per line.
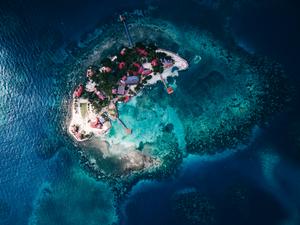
[{"x": 180, "y": 63}]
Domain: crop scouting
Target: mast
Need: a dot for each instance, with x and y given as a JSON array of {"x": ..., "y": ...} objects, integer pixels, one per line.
[{"x": 123, "y": 19}]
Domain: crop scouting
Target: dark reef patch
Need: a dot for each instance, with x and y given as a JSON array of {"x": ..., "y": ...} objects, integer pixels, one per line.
[
  {"x": 168, "y": 128},
  {"x": 207, "y": 84},
  {"x": 244, "y": 204},
  {"x": 238, "y": 203}
]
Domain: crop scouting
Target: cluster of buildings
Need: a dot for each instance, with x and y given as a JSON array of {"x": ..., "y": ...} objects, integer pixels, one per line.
[{"x": 130, "y": 77}]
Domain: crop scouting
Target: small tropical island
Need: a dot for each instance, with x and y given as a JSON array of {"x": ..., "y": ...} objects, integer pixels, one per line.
[
  {"x": 128, "y": 128},
  {"x": 117, "y": 80}
]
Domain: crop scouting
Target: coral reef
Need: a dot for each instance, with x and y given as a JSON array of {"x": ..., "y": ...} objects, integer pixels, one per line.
[
  {"x": 215, "y": 105},
  {"x": 244, "y": 91},
  {"x": 166, "y": 150}
]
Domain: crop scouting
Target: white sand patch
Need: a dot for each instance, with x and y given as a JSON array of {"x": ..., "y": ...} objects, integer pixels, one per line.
[
  {"x": 179, "y": 63},
  {"x": 83, "y": 121}
]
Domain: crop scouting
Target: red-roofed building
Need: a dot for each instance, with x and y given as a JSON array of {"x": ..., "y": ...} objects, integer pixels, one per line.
[
  {"x": 154, "y": 62},
  {"x": 121, "y": 65},
  {"x": 146, "y": 72},
  {"x": 78, "y": 91},
  {"x": 123, "y": 51},
  {"x": 142, "y": 52},
  {"x": 127, "y": 98},
  {"x": 136, "y": 65},
  {"x": 100, "y": 95},
  {"x": 141, "y": 70}
]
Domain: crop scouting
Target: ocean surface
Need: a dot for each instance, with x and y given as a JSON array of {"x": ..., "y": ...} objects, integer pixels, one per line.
[{"x": 41, "y": 178}]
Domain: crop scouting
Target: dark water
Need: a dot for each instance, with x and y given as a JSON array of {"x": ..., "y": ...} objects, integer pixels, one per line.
[{"x": 256, "y": 185}]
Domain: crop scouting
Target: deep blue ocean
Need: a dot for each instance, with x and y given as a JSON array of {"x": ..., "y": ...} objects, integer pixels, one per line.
[{"x": 266, "y": 172}]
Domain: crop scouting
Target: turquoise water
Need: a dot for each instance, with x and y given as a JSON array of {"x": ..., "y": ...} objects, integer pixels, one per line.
[{"x": 198, "y": 132}]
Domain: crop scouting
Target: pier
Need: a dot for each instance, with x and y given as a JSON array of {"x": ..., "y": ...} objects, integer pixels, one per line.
[
  {"x": 168, "y": 89},
  {"x": 127, "y": 130},
  {"x": 123, "y": 20}
]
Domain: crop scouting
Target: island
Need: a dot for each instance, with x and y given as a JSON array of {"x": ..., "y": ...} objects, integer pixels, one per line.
[
  {"x": 141, "y": 132},
  {"x": 117, "y": 80}
]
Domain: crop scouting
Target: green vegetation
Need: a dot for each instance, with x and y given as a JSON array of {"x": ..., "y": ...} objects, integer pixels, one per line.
[{"x": 127, "y": 62}]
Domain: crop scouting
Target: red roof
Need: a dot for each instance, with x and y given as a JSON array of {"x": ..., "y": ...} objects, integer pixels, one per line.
[
  {"x": 141, "y": 70},
  {"x": 96, "y": 124},
  {"x": 154, "y": 62},
  {"x": 121, "y": 65},
  {"x": 99, "y": 94},
  {"x": 78, "y": 136},
  {"x": 78, "y": 91},
  {"x": 147, "y": 72},
  {"x": 142, "y": 52},
  {"x": 137, "y": 65},
  {"x": 123, "y": 51},
  {"x": 127, "y": 98}
]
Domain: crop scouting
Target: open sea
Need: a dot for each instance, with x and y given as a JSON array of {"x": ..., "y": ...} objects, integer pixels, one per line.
[{"x": 41, "y": 181}]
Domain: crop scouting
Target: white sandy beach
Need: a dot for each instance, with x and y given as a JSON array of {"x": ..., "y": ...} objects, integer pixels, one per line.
[
  {"x": 83, "y": 119},
  {"x": 179, "y": 62}
]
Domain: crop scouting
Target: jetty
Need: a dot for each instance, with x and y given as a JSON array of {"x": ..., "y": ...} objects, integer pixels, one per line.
[{"x": 123, "y": 20}]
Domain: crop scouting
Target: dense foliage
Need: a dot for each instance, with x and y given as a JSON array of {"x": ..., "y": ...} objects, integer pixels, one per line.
[{"x": 108, "y": 79}]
